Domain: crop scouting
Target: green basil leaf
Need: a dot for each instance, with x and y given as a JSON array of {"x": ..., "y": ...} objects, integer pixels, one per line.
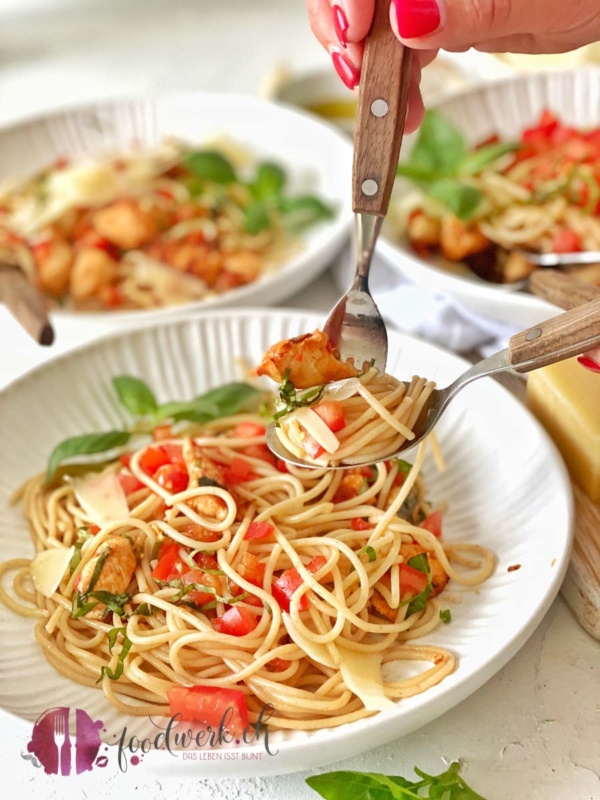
[
  {"x": 359, "y": 786},
  {"x": 114, "y": 602},
  {"x": 194, "y": 410},
  {"x": 370, "y": 551},
  {"x": 221, "y": 402},
  {"x": 302, "y": 212},
  {"x": 403, "y": 466},
  {"x": 144, "y": 610},
  {"x": 462, "y": 200},
  {"x": 269, "y": 181},
  {"x": 440, "y": 146},
  {"x": 79, "y": 608},
  {"x": 85, "y": 445},
  {"x": 211, "y": 166},
  {"x": 420, "y": 562},
  {"x": 415, "y": 173},
  {"x": 115, "y": 674},
  {"x": 257, "y": 217},
  {"x": 476, "y": 160},
  {"x": 446, "y": 616},
  {"x": 133, "y": 393}
]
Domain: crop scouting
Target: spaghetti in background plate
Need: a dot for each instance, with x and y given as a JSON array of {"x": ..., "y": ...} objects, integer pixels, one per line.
[{"x": 504, "y": 487}]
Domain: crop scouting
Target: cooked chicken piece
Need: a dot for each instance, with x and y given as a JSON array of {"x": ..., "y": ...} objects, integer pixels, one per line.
[
  {"x": 246, "y": 265},
  {"x": 197, "y": 259},
  {"x": 123, "y": 223},
  {"x": 54, "y": 262},
  {"x": 92, "y": 271},
  {"x": 439, "y": 579},
  {"x": 458, "y": 240},
  {"x": 311, "y": 360},
  {"x": 423, "y": 231},
  {"x": 115, "y": 576},
  {"x": 205, "y": 472}
]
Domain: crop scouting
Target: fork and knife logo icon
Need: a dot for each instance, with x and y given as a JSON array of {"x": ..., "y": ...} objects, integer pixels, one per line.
[
  {"x": 62, "y": 740},
  {"x": 66, "y": 741}
]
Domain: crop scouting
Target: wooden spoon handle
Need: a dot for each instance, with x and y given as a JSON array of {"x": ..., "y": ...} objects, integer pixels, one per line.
[
  {"x": 25, "y": 304},
  {"x": 566, "y": 335},
  {"x": 561, "y": 289},
  {"x": 382, "y": 106}
]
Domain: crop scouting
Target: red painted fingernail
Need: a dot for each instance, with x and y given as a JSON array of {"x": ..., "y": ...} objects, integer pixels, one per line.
[
  {"x": 345, "y": 69},
  {"x": 417, "y": 18},
  {"x": 589, "y": 363},
  {"x": 340, "y": 24}
]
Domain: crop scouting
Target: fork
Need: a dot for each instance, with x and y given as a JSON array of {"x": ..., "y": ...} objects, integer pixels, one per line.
[
  {"x": 355, "y": 325},
  {"x": 60, "y": 737}
]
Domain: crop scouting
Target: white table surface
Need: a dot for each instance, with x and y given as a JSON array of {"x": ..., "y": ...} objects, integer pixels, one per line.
[{"x": 533, "y": 731}]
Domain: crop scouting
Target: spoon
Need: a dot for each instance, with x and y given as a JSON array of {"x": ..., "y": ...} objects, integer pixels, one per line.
[
  {"x": 355, "y": 326},
  {"x": 561, "y": 337}
]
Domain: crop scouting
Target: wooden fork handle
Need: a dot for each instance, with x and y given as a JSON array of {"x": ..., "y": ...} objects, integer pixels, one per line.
[
  {"x": 383, "y": 98},
  {"x": 566, "y": 335}
]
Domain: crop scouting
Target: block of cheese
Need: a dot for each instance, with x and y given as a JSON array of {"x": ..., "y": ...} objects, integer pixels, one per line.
[{"x": 565, "y": 397}]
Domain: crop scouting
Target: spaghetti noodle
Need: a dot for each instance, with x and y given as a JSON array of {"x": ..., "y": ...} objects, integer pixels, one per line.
[{"x": 303, "y": 589}]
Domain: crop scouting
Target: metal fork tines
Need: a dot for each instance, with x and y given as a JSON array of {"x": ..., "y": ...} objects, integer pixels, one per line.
[{"x": 60, "y": 737}]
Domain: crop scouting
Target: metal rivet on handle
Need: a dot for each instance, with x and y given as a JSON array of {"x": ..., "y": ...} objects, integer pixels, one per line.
[
  {"x": 535, "y": 333},
  {"x": 370, "y": 187},
  {"x": 379, "y": 108}
]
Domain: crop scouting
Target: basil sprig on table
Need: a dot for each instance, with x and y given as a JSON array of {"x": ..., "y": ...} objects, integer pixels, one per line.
[
  {"x": 342, "y": 785},
  {"x": 139, "y": 400},
  {"x": 266, "y": 189},
  {"x": 440, "y": 161}
]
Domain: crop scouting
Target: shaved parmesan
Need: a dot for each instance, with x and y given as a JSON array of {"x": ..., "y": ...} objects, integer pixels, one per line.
[
  {"x": 87, "y": 184},
  {"x": 361, "y": 672},
  {"x": 48, "y": 568},
  {"x": 341, "y": 390},
  {"x": 315, "y": 650},
  {"x": 315, "y": 427},
  {"x": 102, "y": 498}
]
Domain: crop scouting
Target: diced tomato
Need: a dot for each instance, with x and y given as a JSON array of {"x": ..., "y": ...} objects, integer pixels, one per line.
[
  {"x": 289, "y": 581},
  {"x": 248, "y": 430},
  {"x": 174, "y": 452},
  {"x": 260, "y": 451},
  {"x": 165, "y": 193},
  {"x": 312, "y": 447},
  {"x": 168, "y": 559},
  {"x": 316, "y": 563},
  {"x": 129, "y": 483},
  {"x": 236, "y": 621},
  {"x": 162, "y": 432},
  {"x": 332, "y": 414},
  {"x": 281, "y": 465},
  {"x": 92, "y": 239},
  {"x": 252, "y": 569},
  {"x": 172, "y": 477},
  {"x": 359, "y": 524},
  {"x": 566, "y": 241},
  {"x": 62, "y": 162},
  {"x": 152, "y": 459},
  {"x": 115, "y": 296},
  {"x": 259, "y": 530},
  {"x": 210, "y": 705},
  {"x": 125, "y": 459},
  {"x": 197, "y": 596},
  {"x": 93, "y": 530},
  {"x": 412, "y": 581},
  {"x": 433, "y": 523},
  {"x": 41, "y": 251},
  {"x": 278, "y": 664},
  {"x": 199, "y": 533},
  {"x": 206, "y": 561},
  {"x": 239, "y": 471},
  {"x": 285, "y": 586}
]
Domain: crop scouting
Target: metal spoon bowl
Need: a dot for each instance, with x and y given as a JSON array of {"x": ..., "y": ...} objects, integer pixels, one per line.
[{"x": 561, "y": 337}]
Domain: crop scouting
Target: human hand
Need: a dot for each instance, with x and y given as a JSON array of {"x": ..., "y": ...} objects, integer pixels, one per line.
[
  {"x": 591, "y": 360},
  {"x": 518, "y": 26},
  {"x": 341, "y": 28}
]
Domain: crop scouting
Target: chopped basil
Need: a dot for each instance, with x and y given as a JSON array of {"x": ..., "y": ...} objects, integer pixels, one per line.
[
  {"x": 417, "y": 602},
  {"x": 446, "y": 616},
  {"x": 210, "y": 166},
  {"x": 291, "y": 399},
  {"x": 370, "y": 551},
  {"x": 76, "y": 558},
  {"x": 115, "y": 674}
]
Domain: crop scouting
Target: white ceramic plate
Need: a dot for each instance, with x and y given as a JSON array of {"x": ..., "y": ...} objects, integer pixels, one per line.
[
  {"x": 317, "y": 158},
  {"x": 505, "y": 485},
  {"x": 505, "y": 108}
]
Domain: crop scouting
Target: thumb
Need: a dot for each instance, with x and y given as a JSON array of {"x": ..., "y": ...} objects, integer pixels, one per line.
[{"x": 458, "y": 24}]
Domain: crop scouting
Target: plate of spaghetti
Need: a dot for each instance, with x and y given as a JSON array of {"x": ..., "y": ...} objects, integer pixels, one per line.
[
  {"x": 160, "y": 563},
  {"x": 496, "y": 171},
  {"x": 145, "y": 205}
]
